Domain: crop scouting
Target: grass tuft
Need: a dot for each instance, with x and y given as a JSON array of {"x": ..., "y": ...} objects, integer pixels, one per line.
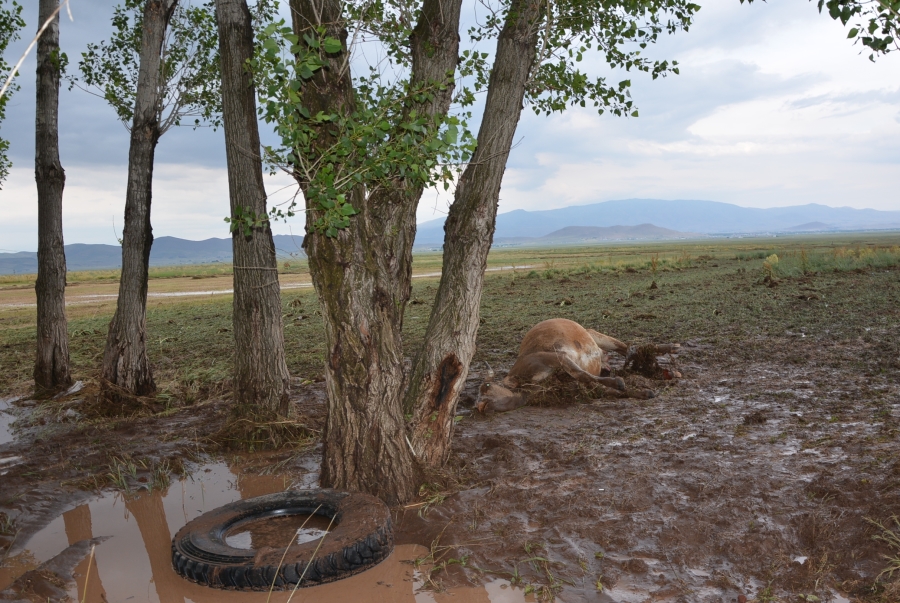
[{"x": 254, "y": 429}]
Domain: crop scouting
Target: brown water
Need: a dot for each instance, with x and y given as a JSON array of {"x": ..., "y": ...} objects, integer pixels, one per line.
[
  {"x": 270, "y": 531},
  {"x": 134, "y": 563}
]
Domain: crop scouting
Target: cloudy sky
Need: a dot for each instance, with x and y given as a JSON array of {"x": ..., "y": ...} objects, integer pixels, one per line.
[{"x": 773, "y": 107}]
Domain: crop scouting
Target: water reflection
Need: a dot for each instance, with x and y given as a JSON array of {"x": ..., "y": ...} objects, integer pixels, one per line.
[
  {"x": 134, "y": 563},
  {"x": 276, "y": 532},
  {"x": 6, "y": 419},
  {"x": 78, "y": 527}
]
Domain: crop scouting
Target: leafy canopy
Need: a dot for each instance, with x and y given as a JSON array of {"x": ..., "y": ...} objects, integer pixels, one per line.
[
  {"x": 875, "y": 22},
  {"x": 384, "y": 141},
  {"x": 378, "y": 144},
  {"x": 189, "y": 78},
  {"x": 11, "y": 23}
]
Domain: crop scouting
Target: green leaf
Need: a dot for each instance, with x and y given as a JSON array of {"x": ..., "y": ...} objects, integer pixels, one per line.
[
  {"x": 332, "y": 45},
  {"x": 311, "y": 41},
  {"x": 853, "y": 33}
]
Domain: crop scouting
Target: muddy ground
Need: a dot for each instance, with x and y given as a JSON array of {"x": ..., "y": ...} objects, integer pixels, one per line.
[{"x": 760, "y": 475}]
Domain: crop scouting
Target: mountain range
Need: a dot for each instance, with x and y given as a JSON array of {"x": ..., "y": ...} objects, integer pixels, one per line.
[
  {"x": 683, "y": 216},
  {"x": 166, "y": 251},
  {"x": 623, "y": 220},
  {"x": 574, "y": 235}
]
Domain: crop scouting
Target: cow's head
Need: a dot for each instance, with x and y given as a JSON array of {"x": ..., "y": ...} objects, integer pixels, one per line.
[{"x": 498, "y": 397}]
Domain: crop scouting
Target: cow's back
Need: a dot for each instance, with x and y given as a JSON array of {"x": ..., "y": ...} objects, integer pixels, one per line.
[{"x": 557, "y": 334}]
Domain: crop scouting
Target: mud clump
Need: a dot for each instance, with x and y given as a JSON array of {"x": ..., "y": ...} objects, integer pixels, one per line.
[
  {"x": 492, "y": 442},
  {"x": 756, "y": 417},
  {"x": 635, "y": 566},
  {"x": 643, "y": 361}
]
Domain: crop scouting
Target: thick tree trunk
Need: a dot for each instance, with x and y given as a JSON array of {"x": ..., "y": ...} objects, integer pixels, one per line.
[
  {"x": 261, "y": 378},
  {"x": 441, "y": 368},
  {"x": 125, "y": 361},
  {"x": 51, "y": 366},
  {"x": 363, "y": 276}
]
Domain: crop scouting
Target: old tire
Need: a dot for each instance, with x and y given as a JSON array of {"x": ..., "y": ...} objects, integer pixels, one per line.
[{"x": 361, "y": 537}]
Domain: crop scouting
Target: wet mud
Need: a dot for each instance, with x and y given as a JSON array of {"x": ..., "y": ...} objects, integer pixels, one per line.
[{"x": 757, "y": 484}]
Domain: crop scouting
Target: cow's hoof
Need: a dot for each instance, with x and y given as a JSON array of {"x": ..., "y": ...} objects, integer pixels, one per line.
[{"x": 620, "y": 384}]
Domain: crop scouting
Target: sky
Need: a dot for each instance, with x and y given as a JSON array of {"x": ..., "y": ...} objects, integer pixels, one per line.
[{"x": 773, "y": 107}]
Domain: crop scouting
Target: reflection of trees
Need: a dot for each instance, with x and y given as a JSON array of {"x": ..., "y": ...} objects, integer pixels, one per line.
[
  {"x": 150, "y": 516},
  {"x": 78, "y": 528},
  {"x": 252, "y": 485}
]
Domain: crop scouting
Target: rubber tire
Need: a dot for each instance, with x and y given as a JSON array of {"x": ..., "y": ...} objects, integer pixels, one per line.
[{"x": 362, "y": 537}]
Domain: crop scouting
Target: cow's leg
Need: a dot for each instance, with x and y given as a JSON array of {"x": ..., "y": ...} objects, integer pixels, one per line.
[
  {"x": 607, "y": 343},
  {"x": 532, "y": 368},
  {"x": 667, "y": 348},
  {"x": 579, "y": 374}
]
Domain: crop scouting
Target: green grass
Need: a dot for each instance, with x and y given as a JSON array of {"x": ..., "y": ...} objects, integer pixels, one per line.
[{"x": 843, "y": 288}]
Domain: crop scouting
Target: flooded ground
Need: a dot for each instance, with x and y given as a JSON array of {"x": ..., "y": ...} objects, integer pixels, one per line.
[
  {"x": 766, "y": 474},
  {"x": 131, "y": 534}
]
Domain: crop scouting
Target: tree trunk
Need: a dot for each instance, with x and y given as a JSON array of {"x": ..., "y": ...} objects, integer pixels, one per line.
[
  {"x": 363, "y": 276},
  {"x": 51, "y": 366},
  {"x": 441, "y": 368},
  {"x": 125, "y": 361},
  {"x": 261, "y": 378}
]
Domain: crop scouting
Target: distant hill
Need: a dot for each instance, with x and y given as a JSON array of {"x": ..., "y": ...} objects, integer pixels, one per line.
[
  {"x": 811, "y": 227},
  {"x": 166, "y": 251},
  {"x": 575, "y": 235},
  {"x": 703, "y": 217},
  {"x": 613, "y": 233}
]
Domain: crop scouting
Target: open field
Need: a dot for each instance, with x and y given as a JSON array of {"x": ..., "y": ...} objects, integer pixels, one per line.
[{"x": 758, "y": 474}]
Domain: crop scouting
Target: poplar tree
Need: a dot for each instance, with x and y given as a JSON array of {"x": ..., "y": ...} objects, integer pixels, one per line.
[
  {"x": 363, "y": 147},
  {"x": 159, "y": 68},
  {"x": 51, "y": 365}
]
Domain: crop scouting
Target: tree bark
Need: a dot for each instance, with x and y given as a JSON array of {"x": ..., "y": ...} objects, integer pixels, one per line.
[
  {"x": 125, "y": 361},
  {"x": 51, "y": 366},
  {"x": 441, "y": 367},
  {"x": 261, "y": 378},
  {"x": 363, "y": 275}
]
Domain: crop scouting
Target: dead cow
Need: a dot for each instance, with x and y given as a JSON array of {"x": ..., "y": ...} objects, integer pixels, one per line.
[{"x": 555, "y": 345}]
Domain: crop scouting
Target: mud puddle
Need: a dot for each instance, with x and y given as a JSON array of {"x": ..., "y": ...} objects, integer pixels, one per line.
[
  {"x": 132, "y": 534},
  {"x": 270, "y": 531},
  {"x": 6, "y": 419}
]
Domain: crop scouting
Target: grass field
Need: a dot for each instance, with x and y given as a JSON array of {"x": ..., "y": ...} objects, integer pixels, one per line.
[{"x": 606, "y": 287}]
